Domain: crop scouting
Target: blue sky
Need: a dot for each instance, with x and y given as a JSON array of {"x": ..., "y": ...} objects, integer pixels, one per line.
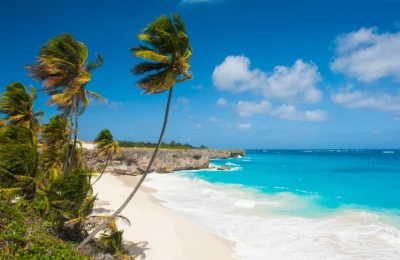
[{"x": 267, "y": 74}]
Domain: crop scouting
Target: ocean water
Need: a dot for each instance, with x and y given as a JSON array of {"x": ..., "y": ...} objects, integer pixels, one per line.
[{"x": 295, "y": 204}]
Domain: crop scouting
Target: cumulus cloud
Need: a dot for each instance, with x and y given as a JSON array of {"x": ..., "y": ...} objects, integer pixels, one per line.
[
  {"x": 222, "y": 102},
  {"x": 244, "y": 126},
  {"x": 213, "y": 120},
  {"x": 199, "y": 126},
  {"x": 368, "y": 55},
  {"x": 234, "y": 74},
  {"x": 296, "y": 83},
  {"x": 364, "y": 99},
  {"x": 288, "y": 112},
  {"x": 183, "y": 100},
  {"x": 247, "y": 109}
]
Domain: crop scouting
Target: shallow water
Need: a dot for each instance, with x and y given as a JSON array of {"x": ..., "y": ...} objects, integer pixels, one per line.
[{"x": 282, "y": 204}]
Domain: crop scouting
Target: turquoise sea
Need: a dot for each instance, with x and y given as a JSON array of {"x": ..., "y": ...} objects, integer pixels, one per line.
[{"x": 295, "y": 204}]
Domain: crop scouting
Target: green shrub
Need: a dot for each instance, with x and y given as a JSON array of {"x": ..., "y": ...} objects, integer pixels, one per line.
[{"x": 26, "y": 235}]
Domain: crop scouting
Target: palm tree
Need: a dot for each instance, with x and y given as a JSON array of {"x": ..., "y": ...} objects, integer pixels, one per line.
[
  {"x": 106, "y": 147},
  {"x": 61, "y": 66},
  {"x": 167, "y": 51},
  {"x": 112, "y": 238},
  {"x": 19, "y": 163},
  {"x": 54, "y": 139},
  {"x": 17, "y": 105}
]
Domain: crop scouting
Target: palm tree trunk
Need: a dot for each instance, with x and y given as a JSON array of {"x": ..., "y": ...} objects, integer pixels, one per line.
[
  {"x": 76, "y": 131},
  {"x": 65, "y": 166},
  {"x": 108, "y": 159},
  {"x": 116, "y": 213}
]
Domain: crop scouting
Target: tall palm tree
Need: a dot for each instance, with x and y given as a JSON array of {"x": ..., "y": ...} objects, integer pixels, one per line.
[
  {"x": 17, "y": 105},
  {"x": 167, "y": 51},
  {"x": 62, "y": 67},
  {"x": 106, "y": 147}
]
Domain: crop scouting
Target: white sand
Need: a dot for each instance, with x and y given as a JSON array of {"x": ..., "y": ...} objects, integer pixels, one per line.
[{"x": 165, "y": 234}]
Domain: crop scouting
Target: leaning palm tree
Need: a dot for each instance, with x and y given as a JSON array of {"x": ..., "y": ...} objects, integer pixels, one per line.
[
  {"x": 106, "y": 147},
  {"x": 62, "y": 67},
  {"x": 16, "y": 103},
  {"x": 167, "y": 52}
]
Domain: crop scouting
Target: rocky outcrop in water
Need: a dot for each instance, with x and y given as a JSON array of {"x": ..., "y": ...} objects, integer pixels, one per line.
[{"x": 135, "y": 161}]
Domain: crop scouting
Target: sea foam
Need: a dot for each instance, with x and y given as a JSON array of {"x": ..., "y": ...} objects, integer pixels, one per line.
[{"x": 253, "y": 221}]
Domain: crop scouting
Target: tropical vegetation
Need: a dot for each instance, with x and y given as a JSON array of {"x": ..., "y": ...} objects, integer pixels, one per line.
[
  {"x": 46, "y": 196},
  {"x": 46, "y": 193},
  {"x": 171, "y": 145},
  {"x": 63, "y": 68}
]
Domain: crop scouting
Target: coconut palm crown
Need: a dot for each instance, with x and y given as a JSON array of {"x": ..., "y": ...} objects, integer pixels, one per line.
[
  {"x": 17, "y": 104},
  {"x": 62, "y": 67},
  {"x": 105, "y": 146},
  {"x": 167, "y": 51}
]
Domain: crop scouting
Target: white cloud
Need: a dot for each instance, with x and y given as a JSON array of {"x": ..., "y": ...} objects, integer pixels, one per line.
[
  {"x": 234, "y": 74},
  {"x": 296, "y": 83},
  {"x": 183, "y": 100},
  {"x": 288, "y": 112},
  {"x": 364, "y": 99},
  {"x": 247, "y": 109},
  {"x": 213, "y": 120},
  {"x": 368, "y": 55},
  {"x": 199, "y": 126},
  {"x": 244, "y": 126},
  {"x": 222, "y": 102}
]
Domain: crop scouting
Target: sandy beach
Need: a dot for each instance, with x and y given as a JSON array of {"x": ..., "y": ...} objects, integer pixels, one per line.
[{"x": 163, "y": 233}]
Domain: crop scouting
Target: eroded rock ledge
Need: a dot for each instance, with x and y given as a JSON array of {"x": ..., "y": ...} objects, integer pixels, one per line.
[{"x": 135, "y": 161}]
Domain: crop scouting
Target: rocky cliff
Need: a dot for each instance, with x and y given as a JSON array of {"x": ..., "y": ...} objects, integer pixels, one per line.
[{"x": 135, "y": 161}]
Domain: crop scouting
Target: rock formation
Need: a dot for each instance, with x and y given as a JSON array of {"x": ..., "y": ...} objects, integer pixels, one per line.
[{"x": 135, "y": 161}]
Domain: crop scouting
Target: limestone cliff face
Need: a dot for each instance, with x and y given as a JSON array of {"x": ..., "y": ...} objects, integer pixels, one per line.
[{"x": 135, "y": 161}]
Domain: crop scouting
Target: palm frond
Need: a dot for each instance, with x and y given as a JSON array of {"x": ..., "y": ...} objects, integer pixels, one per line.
[
  {"x": 95, "y": 64},
  {"x": 147, "y": 67}
]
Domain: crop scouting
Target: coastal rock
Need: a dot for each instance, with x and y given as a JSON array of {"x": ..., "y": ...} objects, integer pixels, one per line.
[
  {"x": 223, "y": 168},
  {"x": 122, "y": 169},
  {"x": 134, "y": 161}
]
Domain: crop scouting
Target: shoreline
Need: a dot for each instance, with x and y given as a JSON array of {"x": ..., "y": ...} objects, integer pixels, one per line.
[{"x": 164, "y": 234}]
